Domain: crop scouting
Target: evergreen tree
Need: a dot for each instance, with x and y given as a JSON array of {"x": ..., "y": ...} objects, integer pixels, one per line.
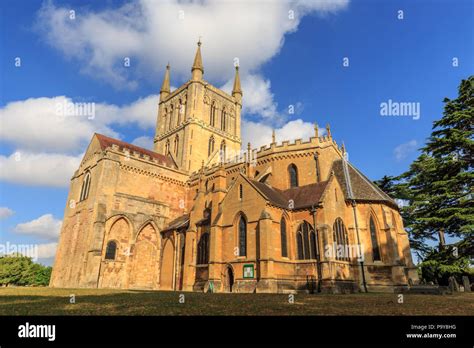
[{"x": 438, "y": 187}]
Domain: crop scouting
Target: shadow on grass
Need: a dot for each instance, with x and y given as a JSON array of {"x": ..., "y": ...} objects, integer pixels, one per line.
[{"x": 45, "y": 301}]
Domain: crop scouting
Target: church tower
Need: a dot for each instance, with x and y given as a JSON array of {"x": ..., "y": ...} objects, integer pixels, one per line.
[{"x": 198, "y": 122}]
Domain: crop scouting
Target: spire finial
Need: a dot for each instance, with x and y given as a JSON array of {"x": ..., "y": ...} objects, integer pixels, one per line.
[
  {"x": 316, "y": 130},
  {"x": 273, "y": 136},
  {"x": 343, "y": 148},
  {"x": 198, "y": 69},
  {"x": 237, "y": 90},
  {"x": 165, "y": 87}
]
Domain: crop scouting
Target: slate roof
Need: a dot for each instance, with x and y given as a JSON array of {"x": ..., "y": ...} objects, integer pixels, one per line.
[
  {"x": 106, "y": 142},
  {"x": 363, "y": 188},
  {"x": 302, "y": 196},
  {"x": 182, "y": 221}
]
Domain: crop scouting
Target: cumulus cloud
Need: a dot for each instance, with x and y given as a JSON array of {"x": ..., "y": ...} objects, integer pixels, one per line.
[
  {"x": 60, "y": 124},
  {"x": 5, "y": 212},
  {"x": 46, "y": 226},
  {"x": 144, "y": 141},
  {"x": 154, "y": 32},
  {"x": 259, "y": 134},
  {"x": 47, "y": 250},
  {"x": 42, "y": 169},
  {"x": 402, "y": 151}
]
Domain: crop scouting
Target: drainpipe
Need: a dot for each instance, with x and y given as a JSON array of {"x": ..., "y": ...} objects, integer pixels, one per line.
[
  {"x": 361, "y": 262},
  {"x": 351, "y": 198},
  {"x": 318, "y": 256}
]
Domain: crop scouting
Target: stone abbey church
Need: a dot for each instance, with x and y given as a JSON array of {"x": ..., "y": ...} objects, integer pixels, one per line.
[{"x": 197, "y": 214}]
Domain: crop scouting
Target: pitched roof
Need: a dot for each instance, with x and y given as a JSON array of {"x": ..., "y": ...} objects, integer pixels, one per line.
[
  {"x": 274, "y": 196},
  {"x": 302, "y": 196},
  {"x": 182, "y": 221},
  {"x": 106, "y": 142},
  {"x": 362, "y": 188},
  {"x": 306, "y": 196}
]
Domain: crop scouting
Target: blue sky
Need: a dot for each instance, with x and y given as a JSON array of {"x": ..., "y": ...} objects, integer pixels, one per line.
[{"x": 284, "y": 62}]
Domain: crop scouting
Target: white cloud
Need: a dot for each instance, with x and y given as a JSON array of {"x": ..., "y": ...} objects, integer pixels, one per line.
[
  {"x": 259, "y": 134},
  {"x": 46, "y": 226},
  {"x": 47, "y": 250},
  {"x": 154, "y": 32},
  {"x": 5, "y": 212},
  {"x": 402, "y": 151},
  {"x": 38, "y": 168},
  {"x": 37, "y": 124},
  {"x": 144, "y": 141},
  {"x": 258, "y": 98}
]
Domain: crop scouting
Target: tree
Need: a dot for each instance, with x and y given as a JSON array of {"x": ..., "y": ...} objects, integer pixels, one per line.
[
  {"x": 21, "y": 270},
  {"x": 438, "y": 187}
]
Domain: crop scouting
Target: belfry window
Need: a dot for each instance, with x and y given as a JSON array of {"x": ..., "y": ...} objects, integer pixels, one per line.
[
  {"x": 374, "y": 240},
  {"x": 242, "y": 237},
  {"x": 176, "y": 145},
  {"x": 111, "y": 250},
  {"x": 211, "y": 146},
  {"x": 316, "y": 162},
  {"x": 203, "y": 250},
  {"x": 293, "y": 175},
  {"x": 306, "y": 241},
  {"x": 341, "y": 239},
  {"x": 284, "y": 249},
  {"x": 212, "y": 116},
  {"x": 86, "y": 183},
  {"x": 223, "y": 151},
  {"x": 223, "y": 119},
  {"x": 171, "y": 116}
]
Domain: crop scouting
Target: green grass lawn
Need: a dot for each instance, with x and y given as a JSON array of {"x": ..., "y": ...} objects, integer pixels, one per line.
[{"x": 47, "y": 301}]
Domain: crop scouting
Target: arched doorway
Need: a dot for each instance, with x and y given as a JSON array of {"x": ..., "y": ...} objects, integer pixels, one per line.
[
  {"x": 167, "y": 266},
  {"x": 144, "y": 268},
  {"x": 229, "y": 279}
]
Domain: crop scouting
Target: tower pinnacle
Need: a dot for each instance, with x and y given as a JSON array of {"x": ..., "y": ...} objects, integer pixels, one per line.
[
  {"x": 237, "y": 90},
  {"x": 197, "y": 70},
  {"x": 165, "y": 87}
]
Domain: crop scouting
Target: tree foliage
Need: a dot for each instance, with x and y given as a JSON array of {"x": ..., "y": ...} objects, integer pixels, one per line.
[
  {"x": 437, "y": 190},
  {"x": 21, "y": 270}
]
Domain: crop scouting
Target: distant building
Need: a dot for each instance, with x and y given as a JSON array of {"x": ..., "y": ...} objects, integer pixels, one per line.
[{"x": 195, "y": 215}]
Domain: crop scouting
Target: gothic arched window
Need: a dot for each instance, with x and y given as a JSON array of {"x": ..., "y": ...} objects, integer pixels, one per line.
[
  {"x": 167, "y": 147},
  {"x": 306, "y": 249},
  {"x": 223, "y": 151},
  {"x": 284, "y": 249},
  {"x": 211, "y": 146},
  {"x": 111, "y": 250},
  {"x": 341, "y": 239},
  {"x": 165, "y": 114},
  {"x": 293, "y": 175},
  {"x": 176, "y": 145},
  {"x": 212, "y": 116},
  {"x": 223, "y": 119},
  {"x": 299, "y": 243},
  {"x": 316, "y": 162},
  {"x": 242, "y": 236},
  {"x": 171, "y": 116},
  {"x": 86, "y": 183},
  {"x": 180, "y": 112},
  {"x": 374, "y": 240},
  {"x": 203, "y": 249}
]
